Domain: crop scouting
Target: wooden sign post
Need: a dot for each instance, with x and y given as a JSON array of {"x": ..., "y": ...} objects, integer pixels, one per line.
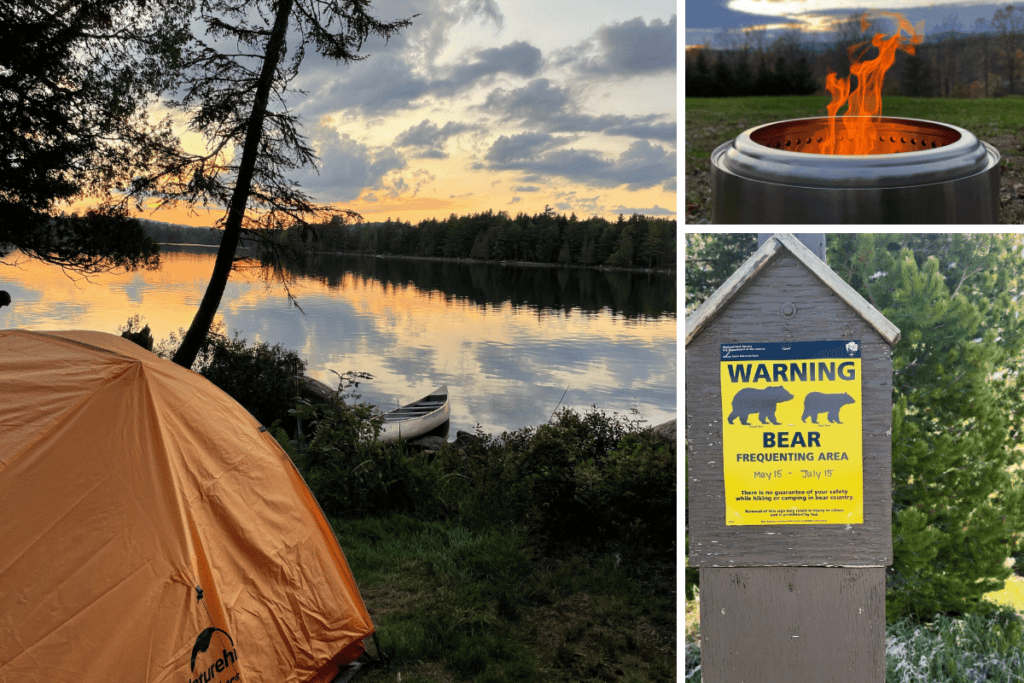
[{"x": 789, "y": 459}]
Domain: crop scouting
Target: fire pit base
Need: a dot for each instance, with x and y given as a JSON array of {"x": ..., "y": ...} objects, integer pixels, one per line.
[{"x": 757, "y": 179}]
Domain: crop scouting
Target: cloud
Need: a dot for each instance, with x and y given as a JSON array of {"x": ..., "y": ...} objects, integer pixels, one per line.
[
  {"x": 429, "y": 139},
  {"x": 381, "y": 84},
  {"x": 632, "y": 48},
  {"x": 526, "y": 188},
  {"x": 347, "y": 166},
  {"x": 641, "y": 166},
  {"x": 507, "y": 149},
  {"x": 389, "y": 82},
  {"x": 431, "y": 29},
  {"x": 655, "y": 211},
  {"x": 518, "y": 58},
  {"x": 551, "y": 108},
  {"x": 538, "y": 99}
]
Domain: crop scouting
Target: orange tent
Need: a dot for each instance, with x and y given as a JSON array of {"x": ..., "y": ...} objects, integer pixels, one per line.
[{"x": 151, "y": 530}]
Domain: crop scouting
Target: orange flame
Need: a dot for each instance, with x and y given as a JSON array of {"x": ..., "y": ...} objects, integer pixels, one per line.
[{"x": 864, "y": 103}]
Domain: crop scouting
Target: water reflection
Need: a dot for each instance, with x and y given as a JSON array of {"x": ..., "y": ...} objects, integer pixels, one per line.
[
  {"x": 506, "y": 340},
  {"x": 549, "y": 289}
]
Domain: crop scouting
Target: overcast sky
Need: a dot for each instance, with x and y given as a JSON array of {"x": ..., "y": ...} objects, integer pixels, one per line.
[
  {"x": 508, "y": 105},
  {"x": 706, "y": 19}
]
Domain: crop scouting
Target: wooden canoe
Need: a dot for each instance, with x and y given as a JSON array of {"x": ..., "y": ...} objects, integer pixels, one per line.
[{"x": 417, "y": 418}]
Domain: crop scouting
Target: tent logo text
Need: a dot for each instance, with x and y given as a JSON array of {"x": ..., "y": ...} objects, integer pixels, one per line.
[{"x": 227, "y": 658}]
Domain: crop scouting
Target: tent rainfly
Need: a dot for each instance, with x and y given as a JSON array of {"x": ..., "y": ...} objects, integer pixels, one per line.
[{"x": 152, "y": 531}]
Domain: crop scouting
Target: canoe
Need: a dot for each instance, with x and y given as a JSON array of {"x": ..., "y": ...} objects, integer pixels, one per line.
[{"x": 417, "y": 418}]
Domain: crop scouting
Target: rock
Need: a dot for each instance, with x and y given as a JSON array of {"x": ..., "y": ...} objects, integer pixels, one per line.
[
  {"x": 315, "y": 390},
  {"x": 464, "y": 440},
  {"x": 667, "y": 428},
  {"x": 427, "y": 443}
]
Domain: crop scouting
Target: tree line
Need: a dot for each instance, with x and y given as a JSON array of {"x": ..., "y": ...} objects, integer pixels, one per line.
[
  {"x": 635, "y": 242},
  {"x": 987, "y": 62}
]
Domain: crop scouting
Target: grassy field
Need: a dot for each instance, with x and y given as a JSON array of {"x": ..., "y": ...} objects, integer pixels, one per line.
[
  {"x": 455, "y": 605},
  {"x": 711, "y": 122}
]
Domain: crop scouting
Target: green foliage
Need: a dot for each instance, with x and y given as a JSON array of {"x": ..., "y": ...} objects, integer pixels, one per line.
[
  {"x": 637, "y": 242},
  {"x": 134, "y": 332},
  {"x": 588, "y": 479},
  {"x": 957, "y": 393},
  {"x": 75, "y": 81},
  {"x": 261, "y": 377},
  {"x": 351, "y": 473},
  {"x": 711, "y": 259}
]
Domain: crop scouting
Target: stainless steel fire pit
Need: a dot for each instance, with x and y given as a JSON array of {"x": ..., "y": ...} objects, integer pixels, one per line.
[{"x": 916, "y": 172}]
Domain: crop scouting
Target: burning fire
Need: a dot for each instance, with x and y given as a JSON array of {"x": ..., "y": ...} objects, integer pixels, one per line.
[{"x": 865, "y": 100}]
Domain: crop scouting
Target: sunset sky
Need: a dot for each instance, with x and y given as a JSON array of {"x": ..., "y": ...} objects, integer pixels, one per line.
[
  {"x": 508, "y": 105},
  {"x": 708, "y": 20}
]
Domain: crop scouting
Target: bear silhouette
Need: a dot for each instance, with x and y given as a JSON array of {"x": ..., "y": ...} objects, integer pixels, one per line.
[
  {"x": 817, "y": 402},
  {"x": 760, "y": 401}
]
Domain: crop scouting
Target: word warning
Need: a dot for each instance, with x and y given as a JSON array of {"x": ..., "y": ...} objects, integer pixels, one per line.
[{"x": 791, "y": 433}]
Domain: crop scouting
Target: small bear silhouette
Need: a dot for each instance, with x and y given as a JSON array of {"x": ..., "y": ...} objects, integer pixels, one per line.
[
  {"x": 760, "y": 401},
  {"x": 817, "y": 402}
]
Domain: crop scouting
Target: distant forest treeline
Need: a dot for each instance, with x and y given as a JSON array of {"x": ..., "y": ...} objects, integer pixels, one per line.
[
  {"x": 988, "y": 62},
  {"x": 634, "y": 242}
]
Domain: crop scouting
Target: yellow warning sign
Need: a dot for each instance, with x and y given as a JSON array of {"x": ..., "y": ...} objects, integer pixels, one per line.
[{"x": 792, "y": 433}]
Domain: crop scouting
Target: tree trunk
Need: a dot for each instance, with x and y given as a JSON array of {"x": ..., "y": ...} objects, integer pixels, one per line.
[{"x": 203, "y": 320}]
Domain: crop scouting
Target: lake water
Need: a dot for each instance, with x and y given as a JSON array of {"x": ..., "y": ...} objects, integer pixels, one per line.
[{"x": 507, "y": 340}]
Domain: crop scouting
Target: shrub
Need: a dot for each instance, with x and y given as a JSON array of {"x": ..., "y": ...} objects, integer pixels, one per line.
[
  {"x": 259, "y": 376},
  {"x": 584, "y": 479},
  {"x": 351, "y": 473}
]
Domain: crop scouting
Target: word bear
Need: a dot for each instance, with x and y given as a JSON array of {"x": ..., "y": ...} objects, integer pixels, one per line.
[
  {"x": 760, "y": 401},
  {"x": 817, "y": 402}
]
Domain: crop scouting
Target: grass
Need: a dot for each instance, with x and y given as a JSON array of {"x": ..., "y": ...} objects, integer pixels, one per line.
[
  {"x": 452, "y": 604},
  {"x": 713, "y": 121}
]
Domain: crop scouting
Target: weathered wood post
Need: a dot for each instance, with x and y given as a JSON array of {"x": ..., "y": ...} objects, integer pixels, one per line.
[{"x": 788, "y": 422}]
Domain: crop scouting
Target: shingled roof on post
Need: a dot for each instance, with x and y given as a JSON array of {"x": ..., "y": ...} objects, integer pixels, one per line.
[{"x": 767, "y": 253}]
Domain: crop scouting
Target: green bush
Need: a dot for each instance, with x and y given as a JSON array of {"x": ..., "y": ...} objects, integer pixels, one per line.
[
  {"x": 587, "y": 479},
  {"x": 351, "y": 473},
  {"x": 259, "y": 376}
]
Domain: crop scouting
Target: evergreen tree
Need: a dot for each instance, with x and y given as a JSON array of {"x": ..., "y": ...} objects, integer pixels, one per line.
[
  {"x": 803, "y": 82},
  {"x": 235, "y": 94},
  {"x": 588, "y": 255},
  {"x": 711, "y": 259},
  {"x": 783, "y": 77},
  {"x": 957, "y": 400},
  {"x": 744, "y": 76},
  {"x": 917, "y": 78},
  {"x": 623, "y": 255},
  {"x": 698, "y": 81},
  {"x": 564, "y": 254},
  {"x": 480, "y": 250},
  {"x": 722, "y": 83},
  {"x": 764, "y": 81},
  {"x": 75, "y": 79}
]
